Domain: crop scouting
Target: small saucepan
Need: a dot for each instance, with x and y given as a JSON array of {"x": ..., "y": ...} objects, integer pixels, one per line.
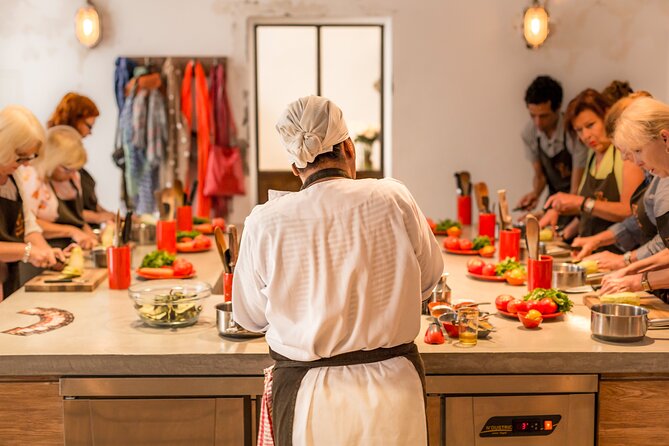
[
  {"x": 568, "y": 275},
  {"x": 622, "y": 322}
]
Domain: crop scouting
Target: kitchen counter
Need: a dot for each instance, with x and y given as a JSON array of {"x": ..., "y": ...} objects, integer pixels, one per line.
[{"x": 106, "y": 338}]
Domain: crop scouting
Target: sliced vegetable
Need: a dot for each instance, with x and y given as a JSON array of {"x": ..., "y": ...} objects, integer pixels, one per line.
[
  {"x": 157, "y": 259},
  {"x": 75, "y": 264}
]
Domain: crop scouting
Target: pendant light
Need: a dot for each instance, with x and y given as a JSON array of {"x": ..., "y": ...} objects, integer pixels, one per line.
[
  {"x": 535, "y": 25},
  {"x": 87, "y": 25}
]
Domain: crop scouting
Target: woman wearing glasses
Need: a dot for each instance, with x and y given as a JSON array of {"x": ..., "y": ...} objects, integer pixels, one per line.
[
  {"x": 80, "y": 113},
  {"x": 21, "y": 139},
  {"x": 53, "y": 188}
]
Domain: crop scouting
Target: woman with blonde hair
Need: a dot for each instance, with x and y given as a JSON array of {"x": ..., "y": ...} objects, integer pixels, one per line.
[
  {"x": 53, "y": 188},
  {"x": 80, "y": 113},
  {"x": 643, "y": 131},
  {"x": 21, "y": 139}
]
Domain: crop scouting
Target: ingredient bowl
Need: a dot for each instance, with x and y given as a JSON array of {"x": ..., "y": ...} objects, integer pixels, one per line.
[
  {"x": 169, "y": 303},
  {"x": 529, "y": 322}
]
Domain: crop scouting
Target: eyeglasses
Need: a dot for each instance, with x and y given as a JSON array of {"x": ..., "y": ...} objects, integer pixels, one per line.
[
  {"x": 26, "y": 159},
  {"x": 89, "y": 126}
]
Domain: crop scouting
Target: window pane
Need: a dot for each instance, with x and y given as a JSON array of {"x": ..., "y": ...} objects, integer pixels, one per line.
[
  {"x": 286, "y": 70},
  {"x": 351, "y": 77}
]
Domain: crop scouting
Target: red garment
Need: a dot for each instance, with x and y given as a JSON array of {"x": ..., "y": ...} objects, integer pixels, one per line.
[
  {"x": 203, "y": 111},
  {"x": 225, "y": 174}
]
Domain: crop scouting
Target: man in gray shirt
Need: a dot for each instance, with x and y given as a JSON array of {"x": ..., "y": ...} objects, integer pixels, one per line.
[{"x": 558, "y": 158}]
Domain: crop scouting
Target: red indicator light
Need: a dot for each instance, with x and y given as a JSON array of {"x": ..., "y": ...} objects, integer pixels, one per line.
[{"x": 548, "y": 425}]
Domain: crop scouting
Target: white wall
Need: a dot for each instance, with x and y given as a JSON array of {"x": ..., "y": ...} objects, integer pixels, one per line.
[{"x": 460, "y": 70}]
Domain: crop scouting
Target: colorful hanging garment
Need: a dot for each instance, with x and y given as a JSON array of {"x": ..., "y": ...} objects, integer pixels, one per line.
[{"x": 203, "y": 119}]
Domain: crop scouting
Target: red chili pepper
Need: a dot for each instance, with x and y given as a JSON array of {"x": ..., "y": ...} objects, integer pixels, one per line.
[{"x": 434, "y": 335}]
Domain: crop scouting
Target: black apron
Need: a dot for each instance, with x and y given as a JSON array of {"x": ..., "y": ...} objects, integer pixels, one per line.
[
  {"x": 648, "y": 229},
  {"x": 557, "y": 170},
  {"x": 288, "y": 375},
  {"x": 12, "y": 229},
  {"x": 71, "y": 213},
  {"x": 88, "y": 194},
  {"x": 601, "y": 190}
]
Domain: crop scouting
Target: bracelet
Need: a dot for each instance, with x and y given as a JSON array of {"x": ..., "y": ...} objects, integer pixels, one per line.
[
  {"x": 627, "y": 258},
  {"x": 588, "y": 205},
  {"x": 26, "y": 252}
]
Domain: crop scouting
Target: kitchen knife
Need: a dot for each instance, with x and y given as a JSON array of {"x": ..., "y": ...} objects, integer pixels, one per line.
[
  {"x": 127, "y": 228},
  {"x": 458, "y": 183},
  {"x": 234, "y": 246},
  {"x": 193, "y": 191},
  {"x": 117, "y": 230}
]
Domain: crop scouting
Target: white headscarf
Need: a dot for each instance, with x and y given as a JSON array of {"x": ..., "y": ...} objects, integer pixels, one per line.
[{"x": 311, "y": 126}]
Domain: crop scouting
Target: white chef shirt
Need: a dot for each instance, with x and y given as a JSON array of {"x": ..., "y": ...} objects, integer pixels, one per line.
[
  {"x": 338, "y": 267},
  {"x": 9, "y": 192}
]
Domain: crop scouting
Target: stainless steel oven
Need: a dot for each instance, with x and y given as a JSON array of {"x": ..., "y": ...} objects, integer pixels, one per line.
[{"x": 516, "y": 410}]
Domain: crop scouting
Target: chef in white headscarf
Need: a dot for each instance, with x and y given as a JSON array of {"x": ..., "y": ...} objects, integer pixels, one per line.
[{"x": 334, "y": 275}]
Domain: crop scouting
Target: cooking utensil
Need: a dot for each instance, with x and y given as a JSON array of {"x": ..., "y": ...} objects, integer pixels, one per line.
[
  {"x": 193, "y": 191},
  {"x": 227, "y": 327},
  {"x": 144, "y": 234},
  {"x": 117, "y": 230},
  {"x": 234, "y": 245},
  {"x": 622, "y": 323},
  {"x": 127, "y": 228},
  {"x": 178, "y": 194},
  {"x": 568, "y": 275},
  {"x": 99, "y": 257},
  {"x": 458, "y": 183},
  {"x": 478, "y": 194},
  {"x": 507, "y": 221},
  {"x": 222, "y": 246},
  {"x": 532, "y": 236},
  {"x": 465, "y": 180}
]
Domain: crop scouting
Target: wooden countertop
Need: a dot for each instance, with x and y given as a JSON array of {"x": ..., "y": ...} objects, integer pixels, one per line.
[{"x": 107, "y": 339}]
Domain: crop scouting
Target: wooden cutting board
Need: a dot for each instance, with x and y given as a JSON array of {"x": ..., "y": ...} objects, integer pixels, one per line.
[
  {"x": 656, "y": 308},
  {"x": 89, "y": 281}
]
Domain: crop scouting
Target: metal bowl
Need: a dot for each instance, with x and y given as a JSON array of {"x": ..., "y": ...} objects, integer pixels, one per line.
[
  {"x": 227, "y": 327},
  {"x": 144, "y": 234},
  {"x": 568, "y": 275}
]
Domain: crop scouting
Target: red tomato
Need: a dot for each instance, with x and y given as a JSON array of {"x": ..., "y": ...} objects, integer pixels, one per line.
[
  {"x": 466, "y": 245},
  {"x": 435, "y": 337},
  {"x": 547, "y": 306},
  {"x": 532, "y": 305},
  {"x": 432, "y": 224},
  {"x": 158, "y": 273},
  {"x": 454, "y": 231},
  {"x": 182, "y": 267},
  {"x": 201, "y": 242},
  {"x": 502, "y": 301},
  {"x": 452, "y": 243},
  {"x": 475, "y": 266},
  {"x": 204, "y": 228},
  {"x": 218, "y": 222},
  {"x": 516, "y": 305},
  {"x": 488, "y": 269}
]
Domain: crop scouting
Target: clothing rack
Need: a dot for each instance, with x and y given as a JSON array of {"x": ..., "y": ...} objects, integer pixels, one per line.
[{"x": 181, "y": 61}]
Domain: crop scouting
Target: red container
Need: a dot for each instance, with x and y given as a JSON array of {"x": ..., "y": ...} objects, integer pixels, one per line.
[
  {"x": 227, "y": 286},
  {"x": 539, "y": 272},
  {"x": 487, "y": 224},
  {"x": 118, "y": 267},
  {"x": 509, "y": 244},
  {"x": 465, "y": 209},
  {"x": 166, "y": 236},
  {"x": 184, "y": 218}
]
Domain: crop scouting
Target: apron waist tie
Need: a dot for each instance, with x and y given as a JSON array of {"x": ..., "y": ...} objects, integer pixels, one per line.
[{"x": 277, "y": 414}]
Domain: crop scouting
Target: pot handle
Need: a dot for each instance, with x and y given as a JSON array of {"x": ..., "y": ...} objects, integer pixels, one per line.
[{"x": 658, "y": 324}]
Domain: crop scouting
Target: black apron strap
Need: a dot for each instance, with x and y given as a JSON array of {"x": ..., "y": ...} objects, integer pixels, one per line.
[
  {"x": 288, "y": 375},
  {"x": 556, "y": 169}
]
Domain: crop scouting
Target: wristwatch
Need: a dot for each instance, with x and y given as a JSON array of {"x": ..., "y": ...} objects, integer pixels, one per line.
[
  {"x": 588, "y": 205},
  {"x": 645, "y": 285},
  {"x": 627, "y": 258}
]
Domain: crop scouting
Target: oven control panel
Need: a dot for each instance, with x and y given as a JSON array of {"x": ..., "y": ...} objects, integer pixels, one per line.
[{"x": 520, "y": 426}]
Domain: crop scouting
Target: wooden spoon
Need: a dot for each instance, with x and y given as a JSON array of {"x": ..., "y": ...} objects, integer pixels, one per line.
[
  {"x": 504, "y": 209},
  {"x": 222, "y": 246},
  {"x": 532, "y": 236},
  {"x": 466, "y": 182}
]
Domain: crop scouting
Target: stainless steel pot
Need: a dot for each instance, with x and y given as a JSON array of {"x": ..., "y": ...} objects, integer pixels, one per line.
[
  {"x": 99, "y": 257},
  {"x": 621, "y": 322},
  {"x": 568, "y": 275},
  {"x": 228, "y": 327},
  {"x": 144, "y": 234}
]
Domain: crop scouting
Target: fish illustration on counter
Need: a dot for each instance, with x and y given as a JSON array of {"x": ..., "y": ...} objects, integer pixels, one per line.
[{"x": 49, "y": 319}]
